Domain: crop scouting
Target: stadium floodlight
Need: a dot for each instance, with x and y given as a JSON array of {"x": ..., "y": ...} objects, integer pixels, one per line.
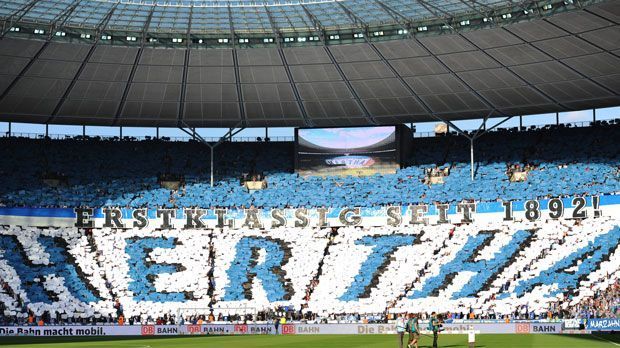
[
  {"x": 106, "y": 37},
  {"x": 222, "y": 40},
  {"x": 507, "y": 15},
  {"x": 177, "y": 40},
  {"x": 487, "y": 19},
  {"x": 547, "y": 7},
  {"x": 334, "y": 37},
  {"x": 268, "y": 40},
  {"x": 244, "y": 40},
  {"x": 358, "y": 35},
  {"x": 289, "y": 39},
  {"x": 85, "y": 36},
  {"x": 313, "y": 38},
  {"x": 200, "y": 41},
  {"x": 402, "y": 31},
  {"x": 424, "y": 28},
  {"x": 465, "y": 22},
  {"x": 301, "y": 39},
  {"x": 61, "y": 33},
  {"x": 132, "y": 38},
  {"x": 39, "y": 31},
  {"x": 15, "y": 29}
]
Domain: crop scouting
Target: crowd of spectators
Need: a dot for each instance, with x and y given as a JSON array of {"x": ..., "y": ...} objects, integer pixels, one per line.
[
  {"x": 604, "y": 303},
  {"x": 557, "y": 161}
]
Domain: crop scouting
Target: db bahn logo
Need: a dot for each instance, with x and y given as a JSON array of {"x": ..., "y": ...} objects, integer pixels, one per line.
[
  {"x": 523, "y": 328},
  {"x": 241, "y": 329},
  {"x": 288, "y": 329},
  {"x": 192, "y": 329},
  {"x": 148, "y": 330}
]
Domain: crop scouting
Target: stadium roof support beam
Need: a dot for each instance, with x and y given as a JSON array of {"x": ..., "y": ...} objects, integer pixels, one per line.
[
  {"x": 471, "y": 159},
  {"x": 521, "y": 5},
  {"x": 23, "y": 71},
  {"x": 426, "y": 107},
  {"x": 573, "y": 69},
  {"x": 134, "y": 67},
  {"x": 482, "y": 127},
  {"x": 188, "y": 38},
  {"x": 403, "y": 21},
  {"x": 470, "y": 88},
  {"x": 347, "y": 82},
  {"x": 559, "y": 61},
  {"x": 587, "y": 10},
  {"x": 344, "y": 78},
  {"x": 242, "y": 113},
  {"x": 470, "y": 5},
  {"x": 17, "y": 16},
  {"x": 65, "y": 14},
  {"x": 480, "y": 132},
  {"x": 61, "y": 19},
  {"x": 355, "y": 19},
  {"x": 274, "y": 28},
  {"x": 287, "y": 69},
  {"x": 527, "y": 83},
  {"x": 318, "y": 26},
  {"x": 538, "y": 90},
  {"x": 100, "y": 28},
  {"x": 192, "y": 133},
  {"x": 427, "y": 6}
]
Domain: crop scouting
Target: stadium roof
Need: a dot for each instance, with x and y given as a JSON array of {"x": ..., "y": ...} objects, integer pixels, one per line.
[
  {"x": 248, "y": 16},
  {"x": 307, "y": 63}
]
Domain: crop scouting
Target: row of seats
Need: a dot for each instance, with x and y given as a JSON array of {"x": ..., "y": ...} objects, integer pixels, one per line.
[
  {"x": 482, "y": 267},
  {"x": 566, "y": 162}
]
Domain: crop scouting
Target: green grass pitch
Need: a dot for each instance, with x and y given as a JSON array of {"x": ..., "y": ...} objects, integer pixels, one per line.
[{"x": 315, "y": 341}]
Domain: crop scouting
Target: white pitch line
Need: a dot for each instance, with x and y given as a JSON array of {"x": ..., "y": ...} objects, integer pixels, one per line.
[{"x": 606, "y": 340}]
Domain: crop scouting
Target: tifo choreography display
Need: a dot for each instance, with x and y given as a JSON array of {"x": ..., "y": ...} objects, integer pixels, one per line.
[
  {"x": 324, "y": 217},
  {"x": 493, "y": 267}
]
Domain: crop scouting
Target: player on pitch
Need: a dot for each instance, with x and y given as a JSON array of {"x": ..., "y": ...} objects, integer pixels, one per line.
[
  {"x": 401, "y": 326},
  {"x": 434, "y": 325},
  {"x": 414, "y": 331}
]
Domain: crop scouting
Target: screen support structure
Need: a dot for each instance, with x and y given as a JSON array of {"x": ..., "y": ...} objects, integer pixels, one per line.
[
  {"x": 212, "y": 145},
  {"x": 482, "y": 130}
]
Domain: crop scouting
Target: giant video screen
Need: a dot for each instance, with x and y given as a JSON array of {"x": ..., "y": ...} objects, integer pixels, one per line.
[{"x": 353, "y": 151}]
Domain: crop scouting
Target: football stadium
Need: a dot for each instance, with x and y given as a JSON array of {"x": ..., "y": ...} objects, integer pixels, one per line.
[{"x": 310, "y": 173}]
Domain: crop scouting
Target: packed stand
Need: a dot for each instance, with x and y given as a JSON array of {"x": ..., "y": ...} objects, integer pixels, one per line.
[{"x": 509, "y": 165}]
